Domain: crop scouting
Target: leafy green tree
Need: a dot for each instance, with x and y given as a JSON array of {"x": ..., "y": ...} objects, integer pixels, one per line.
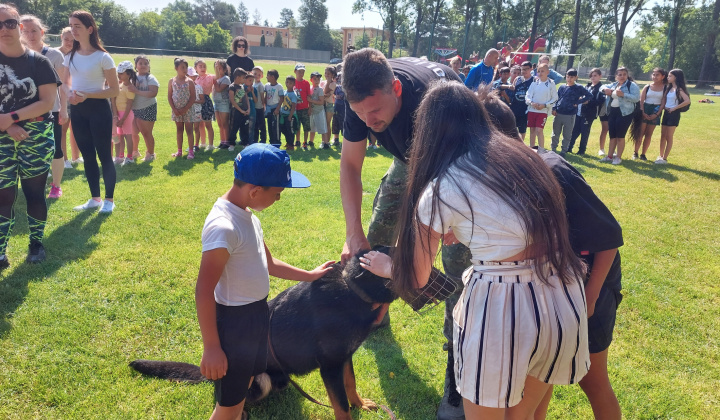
[
  {"x": 176, "y": 34},
  {"x": 709, "y": 67},
  {"x": 362, "y": 42},
  {"x": 147, "y": 29},
  {"x": 262, "y": 41},
  {"x": 391, "y": 11},
  {"x": 285, "y": 16},
  {"x": 257, "y": 17},
  {"x": 225, "y": 14},
  {"x": 337, "y": 44},
  {"x": 314, "y": 31},
  {"x": 278, "y": 43},
  {"x": 243, "y": 12}
]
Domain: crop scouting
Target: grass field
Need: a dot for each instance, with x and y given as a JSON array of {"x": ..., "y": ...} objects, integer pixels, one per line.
[{"x": 119, "y": 288}]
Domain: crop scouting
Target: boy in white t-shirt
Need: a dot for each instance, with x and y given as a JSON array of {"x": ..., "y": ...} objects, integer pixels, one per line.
[
  {"x": 233, "y": 283},
  {"x": 274, "y": 96}
]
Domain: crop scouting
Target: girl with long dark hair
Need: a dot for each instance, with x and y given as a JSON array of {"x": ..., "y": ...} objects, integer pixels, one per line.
[
  {"x": 90, "y": 67},
  {"x": 676, "y": 98},
  {"x": 34, "y": 37},
  {"x": 521, "y": 322},
  {"x": 652, "y": 101},
  {"x": 28, "y": 89}
]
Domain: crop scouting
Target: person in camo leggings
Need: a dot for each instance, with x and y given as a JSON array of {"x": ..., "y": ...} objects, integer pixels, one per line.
[{"x": 28, "y": 87}]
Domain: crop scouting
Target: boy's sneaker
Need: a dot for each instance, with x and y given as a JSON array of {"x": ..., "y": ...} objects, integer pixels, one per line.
[
  {"x": 601, "y": 152},
  {"x": 68, "y": 164},
  {"x": 36, "y": 253},
  {"x": 55, "y": 192},
  {"x": 304, "y": 146},
  {"x": 297, "y": 143},
  {"x": 336, "y": 142},
  {"x": 605, "y": 159},
  {"x": 4, "y": 262},
  {"x": 231, "y": 148},
  {"x": 90, "y": 205},
  {"x": 660, "y": 161},
  {"x": 311, "y": 144},
  {"x": 616, "y": 161},
  {"x": 643, "y": 157},
  {"x": 107, "y": 206},
  {"x": 635, "y": 156},
  {"x": 196, "y": 149},
  {"x": 223, "y": 146}
]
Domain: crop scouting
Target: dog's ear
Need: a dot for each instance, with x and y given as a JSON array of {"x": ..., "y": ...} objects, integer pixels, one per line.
[{"x": 372, "y": 286}]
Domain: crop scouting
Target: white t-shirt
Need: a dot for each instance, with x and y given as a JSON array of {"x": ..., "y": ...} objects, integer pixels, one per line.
[
  {"x": 245, "y": 278},
  {"x": 56, "y": 59},
  {"x": 87, "y": 70},
  {"x": 273, "y": 94},
  {"x": 497, "y": 232},
  {"x": 143, "y": 84}
]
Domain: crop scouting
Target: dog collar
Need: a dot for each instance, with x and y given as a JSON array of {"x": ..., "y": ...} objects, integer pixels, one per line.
[{"x": 358, "y": 291}]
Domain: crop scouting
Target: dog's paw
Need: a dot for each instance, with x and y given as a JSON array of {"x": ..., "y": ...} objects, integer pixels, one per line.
[{"x": 368, "y": 405}]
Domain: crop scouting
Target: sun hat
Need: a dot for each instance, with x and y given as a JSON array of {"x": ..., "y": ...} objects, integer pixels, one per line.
[
  {"x": 265, "y": 165},
  {"x": 192, "y": 72},
  {"x": 124, "y": 66}
]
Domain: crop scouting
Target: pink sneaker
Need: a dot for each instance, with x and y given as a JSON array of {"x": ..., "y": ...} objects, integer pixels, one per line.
[
  {"x": 191, "y": 155},
  {"x": 55, "y": 192}
]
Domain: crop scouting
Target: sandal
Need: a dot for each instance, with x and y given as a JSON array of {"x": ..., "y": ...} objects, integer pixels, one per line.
[
  {"x": 191, "y": 155},
  {"x": 177, "y": 154}
]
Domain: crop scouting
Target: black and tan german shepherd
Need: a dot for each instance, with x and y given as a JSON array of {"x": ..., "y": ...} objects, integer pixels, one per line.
[{"x": 312, "y": 325}]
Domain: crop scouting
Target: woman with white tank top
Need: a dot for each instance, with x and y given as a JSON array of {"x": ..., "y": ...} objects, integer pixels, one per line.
[{"x": 676, "y": 98}]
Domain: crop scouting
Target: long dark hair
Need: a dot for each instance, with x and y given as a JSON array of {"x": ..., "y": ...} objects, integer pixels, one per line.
[
  {"x": 679, "y": 81},
  {"x": 452, "y": 129},
  {"x": 89, "y": 22},
  {"x": 636, "y": 124}
]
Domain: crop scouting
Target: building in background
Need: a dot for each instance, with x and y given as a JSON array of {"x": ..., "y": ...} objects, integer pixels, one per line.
[
  {"x": 351, "y": 35},
  {"x": 254, "y": 33}
]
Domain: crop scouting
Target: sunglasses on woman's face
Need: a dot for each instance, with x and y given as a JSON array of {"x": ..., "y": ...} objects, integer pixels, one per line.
[{"x": 10, "y": 23}]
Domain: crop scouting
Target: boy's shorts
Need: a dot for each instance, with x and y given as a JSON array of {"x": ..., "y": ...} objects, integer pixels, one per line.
[
  {"x": 243, "y": 332},
  {"x": 602, "y": 322},
  {"x": 304, "y": 118},
  {"x": 521, "y": 121},
  {"x": 536, "y": 119}
]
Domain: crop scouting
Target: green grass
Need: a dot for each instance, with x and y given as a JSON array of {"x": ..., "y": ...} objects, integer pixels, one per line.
[{"x": 119, "y": 288}]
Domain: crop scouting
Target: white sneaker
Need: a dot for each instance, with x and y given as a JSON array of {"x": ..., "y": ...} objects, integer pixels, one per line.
[
  {"x": 91, "y": 204},
  {"x": 605, "y": 160},
  {"x": 107, "y": 206},
  {"x": 661, "y": 161},
  {"x": 231, "y": 148},
  {"x": 616, "y": 161},
  {"x": 118, "y": 160},
  {"x": 128, "y": 160},
  {"x": 210, "y": 147},
  {"x": 601, "y": 152},
  {"x": 68, "y": 164},
  {"x": 79, "y": 160}
]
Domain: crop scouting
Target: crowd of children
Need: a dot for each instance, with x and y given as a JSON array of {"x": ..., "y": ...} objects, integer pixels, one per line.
[{"x": 533, "y": 95}]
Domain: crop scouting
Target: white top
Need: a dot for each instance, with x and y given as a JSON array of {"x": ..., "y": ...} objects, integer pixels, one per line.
[
  {"x": 274, "y": 93},
  {"x": 672, "y": 99},
  {"x": 87, "y": 70},
  {"x": 56, "y": 59},
  {"x": 653, "y": 97},
  {"x": 541, "y": 93},
  {"x": 143, "y": 84},
  {"x": 260, "y": 87},
  {"x": 497, "y": 232},
  {"x": 245, "y": 278},
  {"x": 615, "y": 101}
]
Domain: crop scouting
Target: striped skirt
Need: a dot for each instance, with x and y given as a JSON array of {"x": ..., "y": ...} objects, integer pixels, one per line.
[{"x": 509, "y": 325}]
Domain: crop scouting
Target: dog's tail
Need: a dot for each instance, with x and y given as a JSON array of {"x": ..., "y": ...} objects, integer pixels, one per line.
[
  {"x": 260, "y": 388},
  {"x": 174, "y": 371}
]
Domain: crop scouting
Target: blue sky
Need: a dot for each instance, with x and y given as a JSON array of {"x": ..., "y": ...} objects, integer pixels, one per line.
[{"x": 339, "y": 11}]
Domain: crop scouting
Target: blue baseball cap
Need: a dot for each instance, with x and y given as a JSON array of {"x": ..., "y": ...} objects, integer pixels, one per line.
[{"x": 265, "y": 165}]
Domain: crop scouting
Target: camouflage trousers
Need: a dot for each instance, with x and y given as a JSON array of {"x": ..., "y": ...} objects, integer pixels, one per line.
[{"x": 386, "y": 210}]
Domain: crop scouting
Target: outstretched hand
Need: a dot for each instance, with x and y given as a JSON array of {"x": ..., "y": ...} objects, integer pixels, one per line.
[
  {"x": 377, "y": 263},
  {"x": 321, "y": 270}
]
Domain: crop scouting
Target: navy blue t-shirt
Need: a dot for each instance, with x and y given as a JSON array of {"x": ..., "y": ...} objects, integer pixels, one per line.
[{"x": 593, "y": 228}]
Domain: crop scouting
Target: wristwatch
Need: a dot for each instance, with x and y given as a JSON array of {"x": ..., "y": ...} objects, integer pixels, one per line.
[{"x": 15, "y": 116}]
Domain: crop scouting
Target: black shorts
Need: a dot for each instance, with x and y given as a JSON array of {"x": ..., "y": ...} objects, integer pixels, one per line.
[
  {"x": 602, "y": 323},
  {"x": 671, "y": 119},
  {"x": 57, "y": 133},
  {"x": 243, "y": 332},
  {"x": 618, "y": 124},
  {"x": 521, "y": 120},
  {"x": 603, "y": 117}
]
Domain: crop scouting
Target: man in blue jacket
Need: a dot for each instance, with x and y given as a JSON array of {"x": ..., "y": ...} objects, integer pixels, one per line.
[{"x": 483, "y": 72}]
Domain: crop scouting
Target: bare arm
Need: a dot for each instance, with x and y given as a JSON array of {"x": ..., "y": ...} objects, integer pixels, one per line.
[
  {"x": 283, "y": 270},
  {"x": 598, "y": 272},
  {"x": 351, "y": 163},
  {"x": 112, "y": 90},
  {"x": 214, "y": 361},
  {"x": 47, "y": 94}
]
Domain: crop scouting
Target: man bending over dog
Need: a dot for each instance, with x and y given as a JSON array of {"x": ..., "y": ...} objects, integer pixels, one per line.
[
  {"x": 233, "y": 283},
  {"x": 381, "y": 99}
]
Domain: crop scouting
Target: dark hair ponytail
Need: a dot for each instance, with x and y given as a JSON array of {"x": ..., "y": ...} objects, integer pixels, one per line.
[{"x": 454, "y": 130}]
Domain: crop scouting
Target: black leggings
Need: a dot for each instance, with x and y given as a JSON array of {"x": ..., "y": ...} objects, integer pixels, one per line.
[
  {"x": 34, "y": 191},
  {"x": 57, "y": 132},
  {"x": 92, "y": 125}
]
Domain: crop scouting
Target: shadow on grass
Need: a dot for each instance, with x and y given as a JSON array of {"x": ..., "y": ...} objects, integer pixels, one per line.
[
  {"x": 389, "y": 358},
  {"x": 283, "y": 404},
  {"x": 333, "y": 153},
  {"x": 67, "y": 243},
  {"x": 133, "y": 172}
]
